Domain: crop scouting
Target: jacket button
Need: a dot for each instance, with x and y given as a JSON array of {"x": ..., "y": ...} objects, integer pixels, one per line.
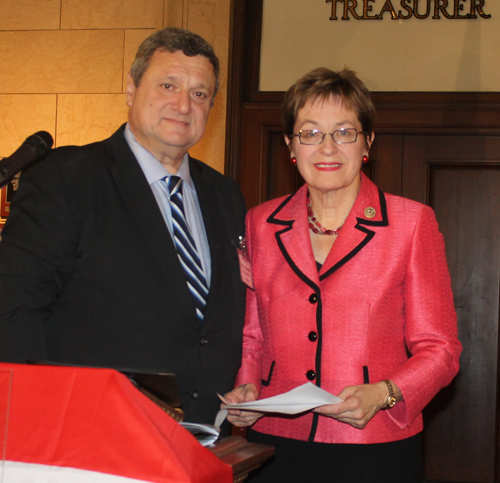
[
  {"x": 312, "y": 336},
  {"x": 195, "y": 394},
  {"x": 311, "y": 375},
  {"x": 203, "y": 341},
  {"x": 313, "y": 298}
]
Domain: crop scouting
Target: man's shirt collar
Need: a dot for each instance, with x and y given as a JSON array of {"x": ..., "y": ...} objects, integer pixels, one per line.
[{"x": 152, "y": 168}]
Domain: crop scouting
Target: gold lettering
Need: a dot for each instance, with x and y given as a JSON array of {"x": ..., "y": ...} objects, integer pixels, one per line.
[
  {"x": 477, "y": 5},
  {"x": 349, "y": 6},
  {"x": 458, "y": 8},
  {"x": 404, "y": 4},
  {"x": 333, "y": 16},
  {"x": 408, "y": 9},
  {"x": 388, "y": 8},
  {"x": 368, "y": 8},
  {"x": 415, "y": 9},
  {"x": 440, "y": 6}
]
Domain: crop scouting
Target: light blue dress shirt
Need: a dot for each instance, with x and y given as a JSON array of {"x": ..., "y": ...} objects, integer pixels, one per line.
[{"x": 155, "y": 172}]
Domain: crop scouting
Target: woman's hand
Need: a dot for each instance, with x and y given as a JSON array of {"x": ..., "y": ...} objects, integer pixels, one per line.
[
  {"x": 360, "y": 404},
  {"x": 243, "y": 393}
]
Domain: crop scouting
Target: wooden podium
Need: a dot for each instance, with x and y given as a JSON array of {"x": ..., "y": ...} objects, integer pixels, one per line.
[{"x": 241, "y": 455}]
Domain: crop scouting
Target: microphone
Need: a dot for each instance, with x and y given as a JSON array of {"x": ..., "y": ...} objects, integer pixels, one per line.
[{"x": 34, "y": 149}]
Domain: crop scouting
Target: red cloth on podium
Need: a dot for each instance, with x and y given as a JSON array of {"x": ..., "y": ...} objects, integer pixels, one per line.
[{"x": 95, "y": 420}]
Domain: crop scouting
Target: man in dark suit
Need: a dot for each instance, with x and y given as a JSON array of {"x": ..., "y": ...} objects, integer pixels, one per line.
[{"x": 90, "y": 268}]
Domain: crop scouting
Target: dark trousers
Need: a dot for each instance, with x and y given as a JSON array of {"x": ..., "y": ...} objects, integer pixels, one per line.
[{"x": 302, "y": 461}]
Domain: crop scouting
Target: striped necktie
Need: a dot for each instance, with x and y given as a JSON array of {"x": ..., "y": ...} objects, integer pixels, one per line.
[{"x": 186, "y": 247}]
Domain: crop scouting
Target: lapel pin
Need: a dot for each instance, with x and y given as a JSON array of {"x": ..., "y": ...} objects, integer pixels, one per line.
[{"x": 370, "y": 212}]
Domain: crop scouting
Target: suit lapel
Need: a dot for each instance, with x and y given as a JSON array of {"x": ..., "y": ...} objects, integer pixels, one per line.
[
  {"x": 369, "y": 210},
  {"x": 143, "y": 208},
  {"x": 293, "y": 239}
]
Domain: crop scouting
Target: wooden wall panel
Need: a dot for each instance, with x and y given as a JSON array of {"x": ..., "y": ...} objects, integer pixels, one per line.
[
  {"x": 463, "y": 432},
  {"x": 133, "y": 38},
  {"x": 257, "y": 122},
  {"x": 281, "y": 176},
  {"x": 111, "y": 14},
  {"x": 176, "y": 13},
  {"x": 459, "y": 177},
  {"x": 385, "y": 155},
  {"x": 85, "y": 118},
  {"x": 30, "y": 14},
  {"x": 61, "y": 61},
  {"x": 210, "y": 19},
  {"x": 22, "y": 115}
]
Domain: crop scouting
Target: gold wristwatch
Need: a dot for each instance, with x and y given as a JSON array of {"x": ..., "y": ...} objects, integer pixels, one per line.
[{"x": 391, "y": 400}]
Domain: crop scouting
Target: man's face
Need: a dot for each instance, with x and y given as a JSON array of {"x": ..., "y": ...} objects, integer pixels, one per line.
[{"x": 168, "y": 111}]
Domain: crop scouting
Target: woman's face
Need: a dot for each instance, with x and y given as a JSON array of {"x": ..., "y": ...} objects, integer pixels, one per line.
[{"x": 329, "y": 166}]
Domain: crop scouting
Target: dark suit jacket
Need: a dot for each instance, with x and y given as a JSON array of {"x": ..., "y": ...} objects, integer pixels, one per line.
[{"x": 89, "y": 273}]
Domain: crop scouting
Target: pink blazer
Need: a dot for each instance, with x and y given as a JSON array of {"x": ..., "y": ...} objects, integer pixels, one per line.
[{"x": 383, "y": 293}]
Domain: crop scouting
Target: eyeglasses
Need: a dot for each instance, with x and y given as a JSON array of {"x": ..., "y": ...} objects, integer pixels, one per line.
[{"x": 340, "y": 136}]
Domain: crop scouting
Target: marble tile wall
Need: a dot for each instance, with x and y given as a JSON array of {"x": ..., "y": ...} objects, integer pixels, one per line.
[{"x": 64, "y": 65}]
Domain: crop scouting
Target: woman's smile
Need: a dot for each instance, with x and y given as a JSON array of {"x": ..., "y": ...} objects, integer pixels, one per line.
[{"x": 328, "y": 166}]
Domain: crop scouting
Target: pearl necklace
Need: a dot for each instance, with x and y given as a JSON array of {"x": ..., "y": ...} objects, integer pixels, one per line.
[{"x": 315, "y": 225}]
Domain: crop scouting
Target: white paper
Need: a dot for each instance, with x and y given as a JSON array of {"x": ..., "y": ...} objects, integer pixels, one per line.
[
  {"x": 204, "y": 433},
  {"x": 298, "y": 400}
]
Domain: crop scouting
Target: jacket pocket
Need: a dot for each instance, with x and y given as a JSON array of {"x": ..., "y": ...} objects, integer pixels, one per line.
[{"x": 266, "y": 382}]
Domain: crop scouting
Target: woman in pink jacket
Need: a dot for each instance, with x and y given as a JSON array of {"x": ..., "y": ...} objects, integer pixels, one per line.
[{"x": 352, "y": 293}]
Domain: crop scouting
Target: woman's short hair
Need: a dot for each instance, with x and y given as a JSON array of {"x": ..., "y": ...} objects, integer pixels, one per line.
[
  {"x": 322, "y": 83},
  {"x": 171, "y": 40}
]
